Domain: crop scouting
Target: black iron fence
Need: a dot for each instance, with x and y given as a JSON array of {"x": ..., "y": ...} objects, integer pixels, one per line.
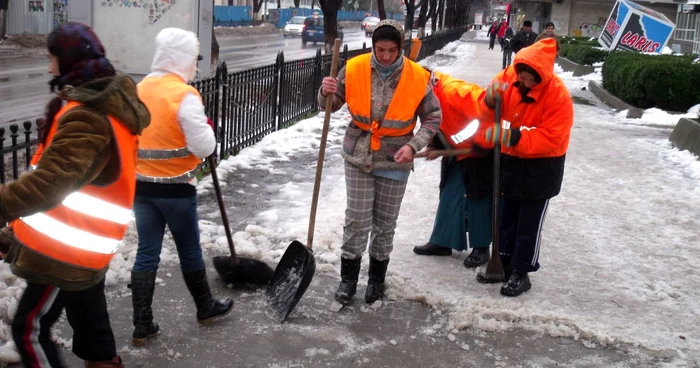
[{"x": 247, "y": 105}]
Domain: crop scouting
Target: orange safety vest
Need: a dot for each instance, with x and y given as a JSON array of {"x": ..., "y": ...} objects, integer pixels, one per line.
[
  {"x": 400, "y": 118},
  {"x": 163, "y": 153},
  {"x": 88, "y": 226},
  {"x": 459, "y": 102}
]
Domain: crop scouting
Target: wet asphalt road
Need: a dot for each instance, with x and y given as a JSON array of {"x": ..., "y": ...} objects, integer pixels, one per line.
[{"x": 23, "y": 79}]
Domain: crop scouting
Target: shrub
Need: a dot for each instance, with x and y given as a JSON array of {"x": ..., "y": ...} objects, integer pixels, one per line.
[
  {"x": 582, "y": 54},
  {"x": 665, "y": 81},
  {"x": 578, "y": 41}
]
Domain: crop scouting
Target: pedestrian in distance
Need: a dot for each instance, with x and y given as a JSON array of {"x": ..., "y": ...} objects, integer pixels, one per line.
[
  {"x": 523, "y": 38},
  {"x": 464, "y": 203},
  {"x": 69, "y": 214},
  {"x": 170, "y": 156},
  {"x": 538, "y": 114},
  {"x": 507, "y": 47},
  {"x": 492, "y": 33},
  {"x": 385, "y": 92},
  {"x": 549, "y": 33}
]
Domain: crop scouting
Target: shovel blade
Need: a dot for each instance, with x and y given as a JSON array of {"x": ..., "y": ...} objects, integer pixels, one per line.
[{"x": 290, "y": 279}]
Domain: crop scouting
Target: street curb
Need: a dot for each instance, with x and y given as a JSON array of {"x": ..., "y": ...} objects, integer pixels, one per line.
[
  {"x": 578, "y": 69},
  {"x": 614, "y": 102},
  {"x": 686, "y": 135}
]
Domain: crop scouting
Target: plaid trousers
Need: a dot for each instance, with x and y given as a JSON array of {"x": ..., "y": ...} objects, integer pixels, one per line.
[{"x": 373, "y": 206}]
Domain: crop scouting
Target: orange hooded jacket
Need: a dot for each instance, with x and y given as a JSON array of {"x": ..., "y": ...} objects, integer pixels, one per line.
[
  {"x": 545, "y": 122},
  {"x": 459, "y": 102}
]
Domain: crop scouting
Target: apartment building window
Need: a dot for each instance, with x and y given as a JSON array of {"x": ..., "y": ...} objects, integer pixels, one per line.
[{"x": 685, "y": 25}]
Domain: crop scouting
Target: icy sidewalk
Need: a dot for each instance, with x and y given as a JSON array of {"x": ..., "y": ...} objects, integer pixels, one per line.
[
  {"x": 619, "y": 254},
  {"x": 618, "y": 263}
]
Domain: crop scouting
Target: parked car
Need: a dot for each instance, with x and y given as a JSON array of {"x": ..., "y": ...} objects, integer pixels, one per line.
[
  {"x": 294, "y": 27},
  {"x": 369, "y": 24},
  {"x": 313, "y": 30}
]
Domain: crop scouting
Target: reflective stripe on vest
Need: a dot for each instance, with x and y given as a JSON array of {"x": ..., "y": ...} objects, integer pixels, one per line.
[
  {"x": 163, "y": 155},
  {"x": 86, "y": 229},
  {"x": 400, "y": 118}
]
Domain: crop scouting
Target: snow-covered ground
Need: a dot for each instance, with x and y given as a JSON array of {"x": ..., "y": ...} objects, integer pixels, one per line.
[{"x": 619, "y": 259}]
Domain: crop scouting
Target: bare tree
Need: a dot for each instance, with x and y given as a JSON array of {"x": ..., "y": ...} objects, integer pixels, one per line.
[
  {"x": 296, "y": 4},
  {"x": 257, "y": 5},
  {"x": 410, "y": 12},
  {"x": 432, "y": 15},
  {"x": 330, "y": 21},
  {"x": 3, "y": 18},
  {"x": 381, "y": 9},
  {"x": 422, "y": 18},
  {"x": 441, "y": 12},
  {"x": 214, "y": 43}
]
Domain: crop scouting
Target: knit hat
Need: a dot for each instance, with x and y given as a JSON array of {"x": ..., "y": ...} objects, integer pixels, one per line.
[
  {"x": 389, "y": 30},
  {"x": 81, "y": 56}
]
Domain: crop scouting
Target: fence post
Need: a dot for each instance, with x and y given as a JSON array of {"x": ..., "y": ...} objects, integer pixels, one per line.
[
  {"x": 345, "y": 55},
  {"x": 222, "y": 93},
  {"x": 318, "y": 75},
  {"x": 27, "y": 138},
  {"x": 14, "y": 135},
  {"x": 2, "y": 161},
  {"x": 280, "y": 90}
]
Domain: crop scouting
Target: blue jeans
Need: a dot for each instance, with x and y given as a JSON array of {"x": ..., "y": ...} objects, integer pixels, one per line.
[{"x": 180, "y": 214}]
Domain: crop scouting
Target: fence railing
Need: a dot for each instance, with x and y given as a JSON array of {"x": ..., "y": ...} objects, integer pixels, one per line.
[{"x": 246, "y": 105}]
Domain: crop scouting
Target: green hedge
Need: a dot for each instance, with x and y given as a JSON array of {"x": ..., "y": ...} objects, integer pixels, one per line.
[
  {"x": 665, "y": 81},
  {"x": 578, "y": 41},
  {"x": 582, "y": 54}
]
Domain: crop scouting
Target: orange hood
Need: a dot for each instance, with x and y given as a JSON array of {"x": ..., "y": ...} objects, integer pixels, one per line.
[{"x": 540, "y": 57}]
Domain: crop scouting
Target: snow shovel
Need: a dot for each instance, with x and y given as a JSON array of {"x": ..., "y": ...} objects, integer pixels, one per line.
[
  {"x": 494, "y": 269},
  {"x": 297, "y": 266},
  {"x": 236, "y": 270}
]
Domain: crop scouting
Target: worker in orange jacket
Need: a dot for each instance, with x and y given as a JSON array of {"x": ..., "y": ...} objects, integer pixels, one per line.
[
  {"x": 465, "y": 186},
  {"x": 538, "y": 114}
]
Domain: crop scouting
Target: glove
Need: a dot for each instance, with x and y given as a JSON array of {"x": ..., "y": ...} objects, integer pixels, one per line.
[
  {"x": 506, "y": 137},
  {"x": 495, "y": 91},
  {"x": 211, "y": 124}
]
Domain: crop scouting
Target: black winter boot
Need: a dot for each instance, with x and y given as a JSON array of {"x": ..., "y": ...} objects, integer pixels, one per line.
[
  {"x": 430, "y": 249},
  {"x": 375, "y": 284},
  {"x": 518, "y": 283},
  {"x": 208, "y": 309},
  {"x": 143, "y": 285},
  {"x": 349, "y": 272},
  {"x": 477, "y": 257}
]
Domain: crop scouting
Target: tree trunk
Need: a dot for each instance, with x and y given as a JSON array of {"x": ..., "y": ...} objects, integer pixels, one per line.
[
  {"x": 312, "y": 4},
  {"x": 432, "y": 15},
  {"x": 381, "y": 9},
  {"x": 214, "y": 45},
  {"x": 410, "y": 12},
  {"x": 330, "y": 18},
  {"x": 257, "y": 5},
  {"x": 3, "y": 18},
  {"x": 441, "y": 12},
  {"x": 279, "y": 4},
  {"x": 422, "y": 18},
  {"x": 296, "y": 4}
]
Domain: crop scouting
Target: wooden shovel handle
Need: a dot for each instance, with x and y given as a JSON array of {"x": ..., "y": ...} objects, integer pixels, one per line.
[{"x": 322, "y": 149}]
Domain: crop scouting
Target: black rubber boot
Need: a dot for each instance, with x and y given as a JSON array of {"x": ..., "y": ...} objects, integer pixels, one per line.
[
  {"x": 430, "y": 249},
  {"x": 518, "y": 283},
  {"x": 477, "y": 257},
  {"x": 349, "y": 273},
  {"x": 143, "y": 285},
  {"x": 375, "y": 284},
  {"x": 208, "y": 309}
]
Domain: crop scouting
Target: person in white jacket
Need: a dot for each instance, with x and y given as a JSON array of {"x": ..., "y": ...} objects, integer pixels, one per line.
[{"x": 170, "y": 154}]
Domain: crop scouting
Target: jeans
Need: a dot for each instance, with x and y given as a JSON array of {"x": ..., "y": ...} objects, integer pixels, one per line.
[
  {"x": 180, "y": 214},
  {"x": 506, "y": 58}
]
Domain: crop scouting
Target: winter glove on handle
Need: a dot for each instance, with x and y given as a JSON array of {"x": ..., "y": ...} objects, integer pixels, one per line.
[
  {"x": 506, "y": 137},
  {"x": 494, "y": 92}
]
